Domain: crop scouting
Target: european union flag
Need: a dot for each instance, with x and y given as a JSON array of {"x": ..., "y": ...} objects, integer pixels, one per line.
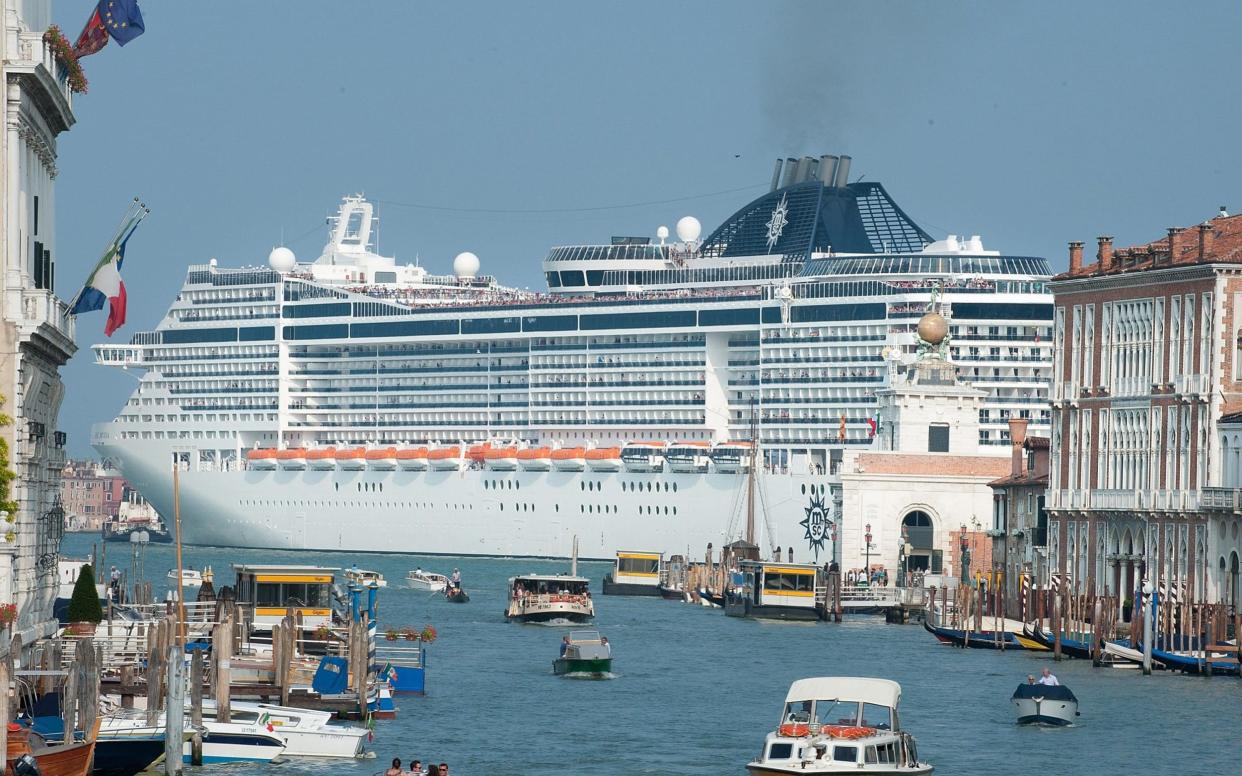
[{"x": 122, "y": 19}]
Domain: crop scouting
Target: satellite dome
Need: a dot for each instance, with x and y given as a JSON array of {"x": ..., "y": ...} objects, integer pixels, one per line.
[
  {"x": 662, "y": 233},
  {"x": 689, "y": 229},
  {"x": 466, "y": 265},
  {"x": 281, "y": 259},
  {"x": 933, "y": 328}
]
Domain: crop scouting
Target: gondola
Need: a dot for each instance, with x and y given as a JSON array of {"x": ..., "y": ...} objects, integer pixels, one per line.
[
  {"x": 977, "y": 640},
  {"x": 1071, "y": 647}
]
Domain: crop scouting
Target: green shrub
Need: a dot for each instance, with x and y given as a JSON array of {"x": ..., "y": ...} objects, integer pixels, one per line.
[{"x": 84, "y": 606}]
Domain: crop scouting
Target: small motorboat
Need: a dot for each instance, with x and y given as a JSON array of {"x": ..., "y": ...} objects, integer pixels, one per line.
[
  {"x": 426, "y": 580},
  {"x": 837, "y": 725},
  {"x": 365, "y": 577},
  {"x": 584, "y": 653},
  {"x": 1045, "y": 704},
  {"x": 456, "y": 595},
  {"x": 190, "y": 578}
]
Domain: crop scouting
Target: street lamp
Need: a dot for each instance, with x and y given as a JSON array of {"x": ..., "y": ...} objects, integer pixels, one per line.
[
  {"x": 965, "y": 558},
  {"x": 903, "y": 557},
  {"x": 867, "y": 546}
]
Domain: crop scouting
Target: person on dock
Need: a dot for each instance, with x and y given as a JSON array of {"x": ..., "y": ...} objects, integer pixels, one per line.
[
  {"x": 1046, "y": 677},
  {"x": 395, "y": 770}
]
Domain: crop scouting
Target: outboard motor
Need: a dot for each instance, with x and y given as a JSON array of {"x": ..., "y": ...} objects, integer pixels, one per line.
[{"x": 26, "y": 766}]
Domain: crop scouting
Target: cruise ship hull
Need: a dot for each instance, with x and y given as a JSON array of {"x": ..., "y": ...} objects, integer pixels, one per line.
[{"x": 472, "y": 512}]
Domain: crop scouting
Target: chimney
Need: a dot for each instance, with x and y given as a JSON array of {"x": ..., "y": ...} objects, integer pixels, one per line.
[
  {"x": 843, "y": 171},
  {"x": 1175, "y": 244},
  {"x": 827, "y": 169},
  {"x": 1104, "y": 253},
  {"x": 1075, "y": 256},
  {"x": 776, "y": 176},
  {"x": 791, "y": 170},
  {"x": 1017, "y": 436},
  {"x": 1205, "y": 241},
  {"x": 804, "y": 169}
]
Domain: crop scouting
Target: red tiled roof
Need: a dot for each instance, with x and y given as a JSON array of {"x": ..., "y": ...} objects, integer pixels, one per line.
[{"x": 1224, "y": 245}]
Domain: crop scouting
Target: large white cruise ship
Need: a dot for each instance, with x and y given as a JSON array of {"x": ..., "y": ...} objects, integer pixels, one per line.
[{"x": 353, "y": 403}]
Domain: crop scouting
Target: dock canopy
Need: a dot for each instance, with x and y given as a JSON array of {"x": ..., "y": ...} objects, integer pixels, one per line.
[{"x": 882, "y": 692}]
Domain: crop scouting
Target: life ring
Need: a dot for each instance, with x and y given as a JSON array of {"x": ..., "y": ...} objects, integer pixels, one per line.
[
  {"x": 795, "y": 730},
  {"x": 849, "y": 732}
]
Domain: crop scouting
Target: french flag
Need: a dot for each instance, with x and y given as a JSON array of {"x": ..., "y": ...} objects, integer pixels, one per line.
[{"x": 105, "y": 284}]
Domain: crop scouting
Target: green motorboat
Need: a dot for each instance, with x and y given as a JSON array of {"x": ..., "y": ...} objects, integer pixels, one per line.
[{"x": 584, "y": 653}]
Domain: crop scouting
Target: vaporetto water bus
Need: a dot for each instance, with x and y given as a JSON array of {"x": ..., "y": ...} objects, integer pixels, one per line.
[{"x": 357, "y": 403}]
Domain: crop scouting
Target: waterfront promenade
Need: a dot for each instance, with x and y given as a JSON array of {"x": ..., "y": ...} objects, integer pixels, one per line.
[{"x": 696, "y": 691}]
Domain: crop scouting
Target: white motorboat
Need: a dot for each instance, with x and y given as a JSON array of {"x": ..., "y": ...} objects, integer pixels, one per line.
[
  {"x": 547, "y": 597},
  {"x": 304, "y": 732},
  {"x": 1045, "y": 704},
  {"x": 190, "y": 578},
  {"x": 426, "y": 580},
  {"x": 223, "y": 742},
  {"x": 365, "y": 577},
  {"x": 836, "y": 725}
]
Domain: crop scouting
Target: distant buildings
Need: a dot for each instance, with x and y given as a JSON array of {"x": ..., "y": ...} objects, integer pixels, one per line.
[
  {"x": 1020, "y": 517},
  {"x": 90, "y": 495},
  {"x": 1146, "y": 443},
  {"x": 36, "y": 334}
]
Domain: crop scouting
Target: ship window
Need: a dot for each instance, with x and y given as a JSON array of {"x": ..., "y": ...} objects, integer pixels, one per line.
[
  {"x": 871, "y": 758},
  {"x": 847, "y": 754},
  {"x": 571, "y": 277},
  {"x": 780, "y": 751},
  {"x": 877, "y": 716}
]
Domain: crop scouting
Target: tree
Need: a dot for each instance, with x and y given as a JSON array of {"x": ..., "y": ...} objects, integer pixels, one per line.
[{"x": 84, "y": 606}]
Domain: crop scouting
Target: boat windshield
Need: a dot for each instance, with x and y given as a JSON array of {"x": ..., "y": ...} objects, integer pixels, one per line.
[
  {"x": 835, "y": 712},
  {"x": 877, "y": 716},
  {"x": 797, "y": 711}
]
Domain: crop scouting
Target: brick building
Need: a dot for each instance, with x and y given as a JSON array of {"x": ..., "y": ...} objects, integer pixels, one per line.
[
  {"x": 1145, "y": 362},
  {"x": 1020, "y": 516},
  {"x": 90, "y": 495}
]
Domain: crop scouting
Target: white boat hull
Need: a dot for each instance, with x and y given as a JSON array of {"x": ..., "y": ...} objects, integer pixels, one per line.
[
  {"x": 455, "y": 513},
  {"x": 1045, "y": 711},
  {"x": 428, "y": 585}
]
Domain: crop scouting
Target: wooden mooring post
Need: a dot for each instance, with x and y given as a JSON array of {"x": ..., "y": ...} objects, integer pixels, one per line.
[
  {"x": 196, "y": 707},
  {"x": 174, "y": 713}
]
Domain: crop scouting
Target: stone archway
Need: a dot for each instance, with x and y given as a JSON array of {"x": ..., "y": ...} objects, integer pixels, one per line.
[
  {"x": 918, "y": 529},
  {"x": 1235, "y": 580}
]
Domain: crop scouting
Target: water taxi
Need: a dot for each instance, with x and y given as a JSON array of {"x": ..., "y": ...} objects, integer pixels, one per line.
[
  {"x": 365, "y": 577},
  {"x": 426, "y": 580},
  {"x": 191, "y": 579},
  {"x": 773, "y": 590},
  {"x": 546, "y": 597},
  {"x": 584, "y": 653},
  {"x": 274, "y": 591},
  {"x": 1044, "y": 704},
  {"x": 839, "y": 724},
  {"x": 635, "y": 573}
]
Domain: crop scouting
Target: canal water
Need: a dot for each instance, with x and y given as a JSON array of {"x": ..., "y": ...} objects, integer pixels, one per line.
[{"x": 696, "y": 691}]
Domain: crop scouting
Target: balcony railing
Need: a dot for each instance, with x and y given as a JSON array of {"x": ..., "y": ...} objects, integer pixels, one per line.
[{"x": 1106, "y": 499}]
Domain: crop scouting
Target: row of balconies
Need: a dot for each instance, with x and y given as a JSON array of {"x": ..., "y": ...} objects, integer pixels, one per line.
[
  {"x": 1181, "y": 385},
  {"x": 1158, "y": 500}
]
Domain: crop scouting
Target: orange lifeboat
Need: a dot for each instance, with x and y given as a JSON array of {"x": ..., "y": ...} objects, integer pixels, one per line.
[
  {"x": 323, "y": 459},
  {"x": 414, "y": 459},
  {"x": 353, "y": 459},
  {"x": 604, "y": 459},
  {"x": 477, "y": 453},
  {"x": 503, "y": 459},
  {"x": 569, "y": 459},
  {"x": 535, "y": 459},
  {"x": 293, "y": 458},
  {"x": 383, "y": 459},
  {"x": 445, "y": 458},
  {"x": 263, "y": 460}
]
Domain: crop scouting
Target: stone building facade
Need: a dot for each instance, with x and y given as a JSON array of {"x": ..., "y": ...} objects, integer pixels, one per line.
[
  {"x": 1020, "y": 516},
  {"x": 1146, "y": 362},
  {"x": 90, "y": 495},
  {"x": 36, "y": 333}
]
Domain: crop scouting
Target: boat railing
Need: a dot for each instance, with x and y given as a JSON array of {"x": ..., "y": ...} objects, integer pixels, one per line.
[
  {"x": 529, "y": 600},
  {"x": 410, "y": 655}
]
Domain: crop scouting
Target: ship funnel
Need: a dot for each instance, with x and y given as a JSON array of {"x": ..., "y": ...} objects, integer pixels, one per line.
[
  {"x": 791, "y": 171},
  {"x": 828, "y": 169},
  {"x": 776, "y": 176},
  {"x": 843, "y": 172},
  {"x": 804, "y": 169}
]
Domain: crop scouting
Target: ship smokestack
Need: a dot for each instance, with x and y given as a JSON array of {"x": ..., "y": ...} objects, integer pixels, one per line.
[
  {"x": 804, "y": 169},
  {"x": 776, "y": 175},
  {"x": 791, "y": 171},
  {"x": 843, "y": 172},
  {"x": 828, "y": 169}
]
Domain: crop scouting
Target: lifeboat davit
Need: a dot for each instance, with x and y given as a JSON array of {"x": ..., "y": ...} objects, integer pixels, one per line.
[
  {"x": 446, "y": 458},
  {"x": 263, "y": 460},
  {"x": 535, "y": 459},
  {"x": 643, "y": 456},
  {"x": 569, "y": 459},
  {"x": 383, "y": 459},
  {"x": 323, "y": 459},
  {"x": 293, "y": 458},
  {"x": 353, "y": 459},
  {"x": 604, "y": 459},
  {"x": 731, "y": 457},
  {"x": 688, "y": 457},
  {"x": 414, "y": 460},
  {"x": 501, "y": 459}
]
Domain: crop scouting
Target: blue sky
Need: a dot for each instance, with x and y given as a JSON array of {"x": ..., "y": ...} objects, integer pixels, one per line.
[{"x": 1031, "y": 124}]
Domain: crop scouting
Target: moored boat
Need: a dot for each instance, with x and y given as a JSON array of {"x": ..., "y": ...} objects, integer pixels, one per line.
[
  {"x": 547, "y": 597},
  {"x": 52, "y": 758},
  {"x": 772, "y": 590},
  {"x": 191, "y": 579},
  {"x": 1045, "y": 704},
  {"x": 584, "y": 653},
  {"x": 456, "y": 595},
  {"x": 635, "y": 573},
  {"x": 837, "y": 725},
  {"x": 365, "y": 577},
  {"x": 426, "y": 580}
]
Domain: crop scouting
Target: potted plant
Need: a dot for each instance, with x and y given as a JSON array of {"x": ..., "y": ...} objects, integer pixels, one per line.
[
  {"x": 410, "y": 634},
  {"x": 322, "y": 633},
  {"x": 8, "y": 615},
  {"x": 429, "y": 634},
  {"x": 84, "y": 610},
  {"x": 391, "y": 634}
]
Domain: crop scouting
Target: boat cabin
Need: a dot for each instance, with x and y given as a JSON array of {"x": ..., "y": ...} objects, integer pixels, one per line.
[
  {"x": 587, "y": 645},
  {"x": 842, "y": 701},
  {"x": 273, "y": 591},
  {"x": 549, "y": 585},
  {"x": 772, "y": 589},
  {"x": 638, "y": 568}
]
